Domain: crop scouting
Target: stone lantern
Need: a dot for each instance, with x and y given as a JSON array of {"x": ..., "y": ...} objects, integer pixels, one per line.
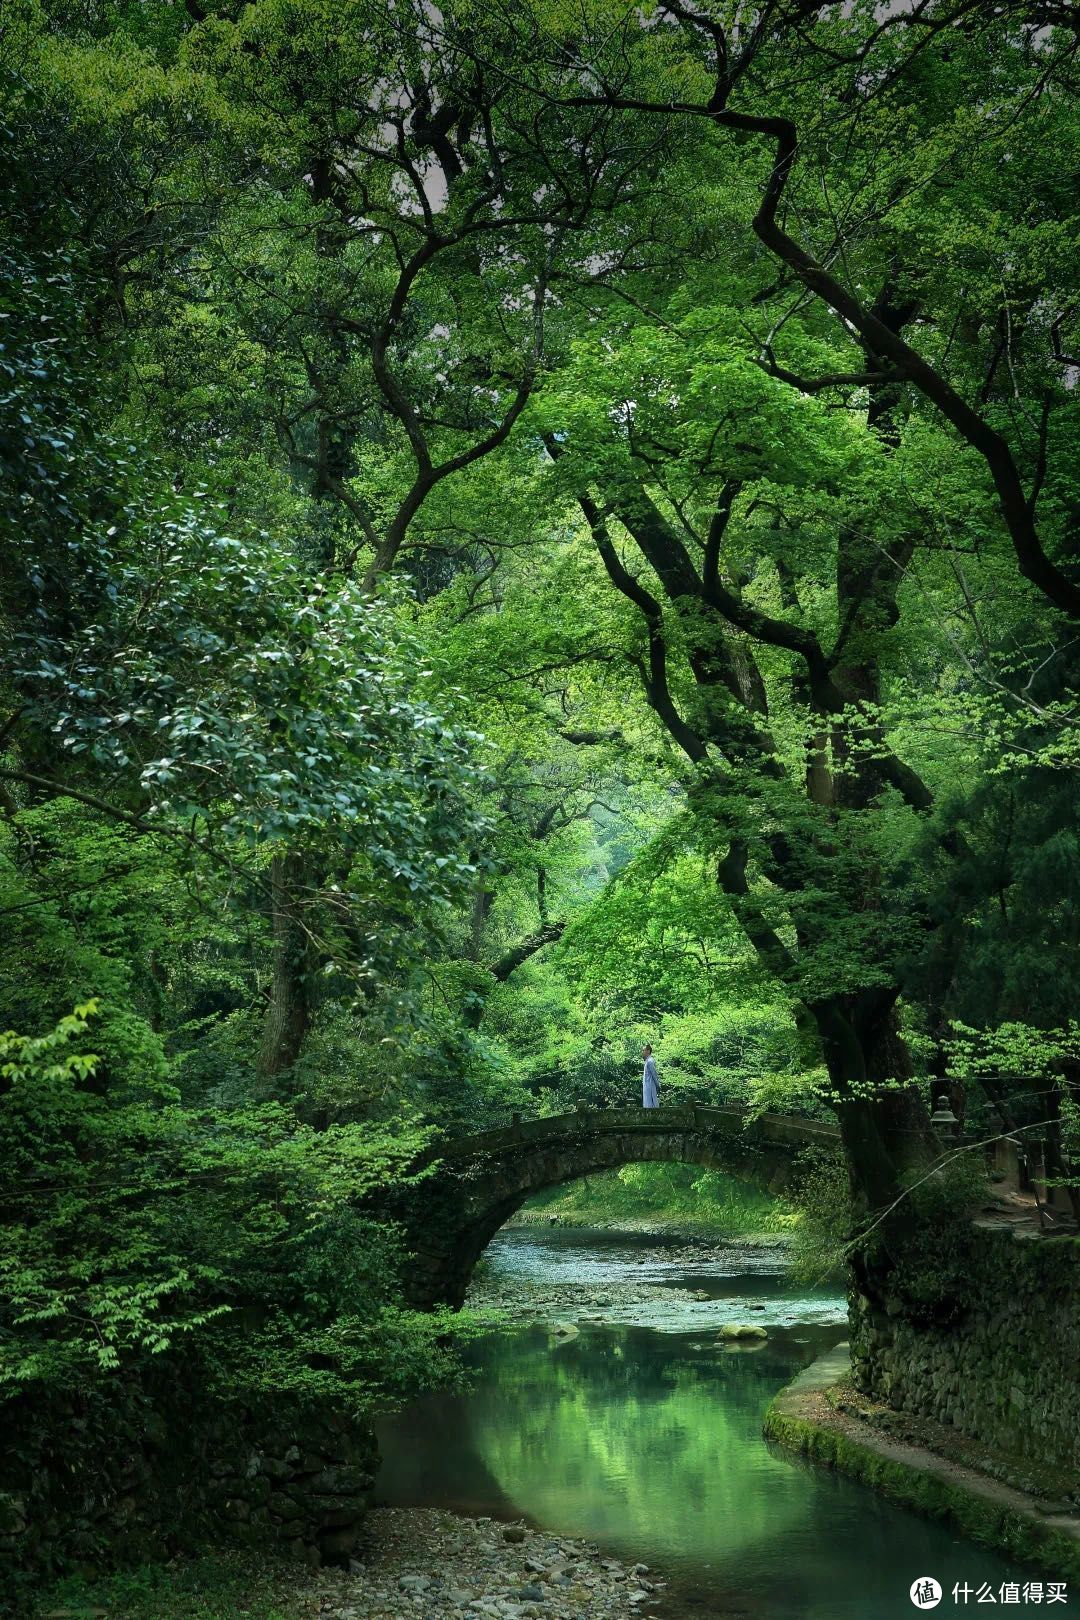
[{"x": 943, "y": 1119}]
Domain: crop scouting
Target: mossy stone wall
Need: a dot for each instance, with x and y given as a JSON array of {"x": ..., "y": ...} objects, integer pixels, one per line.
[
  {"x": 997, "y": 1355},
  {"x": 146, "y": 1473}
]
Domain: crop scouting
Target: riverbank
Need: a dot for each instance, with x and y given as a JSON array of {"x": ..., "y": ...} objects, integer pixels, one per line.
[
  {"x": 633, "y": 1447},
  {"x": 412, "y": 1562},
  {"x": 922, "y": 1465},
  {"x": 705, "y": 1233}
]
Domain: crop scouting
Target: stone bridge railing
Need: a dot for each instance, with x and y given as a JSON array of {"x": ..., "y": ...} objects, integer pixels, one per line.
[{"x": 788, "y": 1131}]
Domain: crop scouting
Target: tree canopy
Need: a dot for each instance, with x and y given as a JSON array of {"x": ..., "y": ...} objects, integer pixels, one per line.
[{"x": 524, "y": 529}]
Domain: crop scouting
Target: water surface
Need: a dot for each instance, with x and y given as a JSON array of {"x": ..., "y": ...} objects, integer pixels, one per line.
[{"x": 648, "y": 1441}]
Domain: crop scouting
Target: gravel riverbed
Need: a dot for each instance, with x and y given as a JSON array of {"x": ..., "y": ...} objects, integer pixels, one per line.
[
  {"x": 634, "y": 1288},
  {"x": 527, "y": 1300},
  {"x": 434, "y": 1565}
]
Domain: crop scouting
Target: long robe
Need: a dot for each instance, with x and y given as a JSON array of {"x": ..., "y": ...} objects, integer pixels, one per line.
[{"x": 650, "y": 1084}]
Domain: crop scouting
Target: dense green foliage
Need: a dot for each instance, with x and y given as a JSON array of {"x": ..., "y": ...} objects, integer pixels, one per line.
[
  {"x": 239, "y": 1229},
  {"x": 523, "y": 532}
]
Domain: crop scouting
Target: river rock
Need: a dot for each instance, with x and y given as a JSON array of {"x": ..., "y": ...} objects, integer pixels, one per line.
[{"x": 742, "y": 1330}]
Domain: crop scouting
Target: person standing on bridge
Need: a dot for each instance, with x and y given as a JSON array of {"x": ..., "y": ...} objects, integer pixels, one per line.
[{"x": 650, "y": 1080}]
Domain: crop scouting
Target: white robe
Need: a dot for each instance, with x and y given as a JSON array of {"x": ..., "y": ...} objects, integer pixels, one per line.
[{"x": 650, "y": 1084}]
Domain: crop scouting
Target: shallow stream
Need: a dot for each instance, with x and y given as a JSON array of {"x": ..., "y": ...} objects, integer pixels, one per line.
[{"x": 645, "y": 1436}]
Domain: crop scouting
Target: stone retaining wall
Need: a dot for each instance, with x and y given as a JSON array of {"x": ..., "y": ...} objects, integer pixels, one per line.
[
  {"x": 304, "y": 1483},
  {"x": 1003, "y": 1366},
  {"x": 143, "y": 1475}
]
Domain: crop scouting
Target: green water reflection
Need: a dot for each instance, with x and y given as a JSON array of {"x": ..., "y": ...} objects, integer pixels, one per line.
[
  {"x": 650, "y": 1443},
  {"x": 604, "y": 1435}
]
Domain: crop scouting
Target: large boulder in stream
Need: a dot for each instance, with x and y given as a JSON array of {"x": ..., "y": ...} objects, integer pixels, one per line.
[{"x": 742, "y": 1330}]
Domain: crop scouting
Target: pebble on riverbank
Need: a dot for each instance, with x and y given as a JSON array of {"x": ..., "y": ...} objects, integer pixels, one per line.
[{"x": 432, "y": 1564}]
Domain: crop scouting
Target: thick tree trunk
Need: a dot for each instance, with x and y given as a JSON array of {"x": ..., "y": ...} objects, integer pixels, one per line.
[
  {"x": 883, "y": 1121},
  {"x": 289, "y": 1010}
]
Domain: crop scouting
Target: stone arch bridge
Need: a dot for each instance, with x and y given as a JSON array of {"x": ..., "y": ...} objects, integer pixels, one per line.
[{"x": 475, "y": 1183}]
